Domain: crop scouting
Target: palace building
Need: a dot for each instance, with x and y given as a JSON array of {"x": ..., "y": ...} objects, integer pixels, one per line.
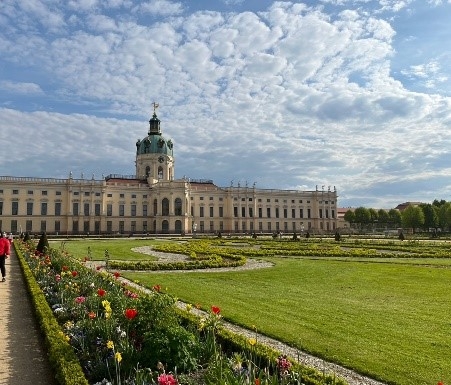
[{"x": 153, "y": 201}]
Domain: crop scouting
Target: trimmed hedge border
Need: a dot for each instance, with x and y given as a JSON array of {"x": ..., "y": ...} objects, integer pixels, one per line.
[{"x": 62, "y": 357}]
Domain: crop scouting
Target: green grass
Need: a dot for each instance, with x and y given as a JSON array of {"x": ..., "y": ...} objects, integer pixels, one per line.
[
  {"x": 386, "y": 320},
  {"x": 117, "y": 249},
  {"x": 389, "y": 318}
]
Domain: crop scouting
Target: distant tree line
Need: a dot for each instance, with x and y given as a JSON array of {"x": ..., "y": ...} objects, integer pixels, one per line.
[{"x": 425, "y": 217}]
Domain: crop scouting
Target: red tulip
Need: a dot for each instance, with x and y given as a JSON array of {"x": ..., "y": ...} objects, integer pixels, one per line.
[
  {"x": 130, "y": 313},
  {"x": 101, "y": 292},
  {"x": 157, "y": 288},
  {"x": 216, "y": 310},
  {"x": 166, "y": 379}
]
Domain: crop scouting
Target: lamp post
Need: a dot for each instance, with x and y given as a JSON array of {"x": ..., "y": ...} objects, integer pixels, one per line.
[{"x": 302, "y": 229}]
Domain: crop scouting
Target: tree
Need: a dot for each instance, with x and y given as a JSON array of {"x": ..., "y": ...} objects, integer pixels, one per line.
[
  {"x": 412, "y": 217},
  {"x": 383, "y": 217},
  {"x": 373, "y": 216},
  {"x": 444, "y": 215},
  {"x": 394, "y": 217},
  {"x": 362, "y": 216},
  {"x": 438, "y": 203},
  {"x": 430, "y": 216},
  {"x": 349, "y": 217}
]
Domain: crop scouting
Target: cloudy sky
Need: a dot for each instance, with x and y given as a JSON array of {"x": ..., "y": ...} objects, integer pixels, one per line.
[{"x": 354, "y": 94}]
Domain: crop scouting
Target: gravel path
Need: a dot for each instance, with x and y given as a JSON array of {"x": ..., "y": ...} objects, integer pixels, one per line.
[
  {"x": 319, "y": 364},
  {"x": 23, "y": 357}
]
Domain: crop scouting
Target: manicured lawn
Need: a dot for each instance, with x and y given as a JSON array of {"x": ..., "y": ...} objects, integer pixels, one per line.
[
  {"x": 390, "y": 321},
  {"x": 117, "y": 249}
]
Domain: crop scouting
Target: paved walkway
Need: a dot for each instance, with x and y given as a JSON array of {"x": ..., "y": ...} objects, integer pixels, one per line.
[{"x": 23, "y": 359}]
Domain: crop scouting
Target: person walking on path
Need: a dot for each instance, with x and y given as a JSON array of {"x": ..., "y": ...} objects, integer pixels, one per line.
[{"x": 5, "y": 250}]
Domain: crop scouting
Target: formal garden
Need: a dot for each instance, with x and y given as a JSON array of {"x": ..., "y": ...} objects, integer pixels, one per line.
[{"x": 379, "y": 307}]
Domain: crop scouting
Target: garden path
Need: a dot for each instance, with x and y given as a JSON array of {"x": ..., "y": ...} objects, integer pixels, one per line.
[{"x": 23, "y": 358}]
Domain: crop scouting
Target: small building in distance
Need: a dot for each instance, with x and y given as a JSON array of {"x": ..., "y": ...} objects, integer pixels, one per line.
[{"x": 402, "y": 206}]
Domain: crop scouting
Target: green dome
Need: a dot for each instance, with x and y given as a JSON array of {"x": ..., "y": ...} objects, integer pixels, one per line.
[{"x": 154, "y": 142}]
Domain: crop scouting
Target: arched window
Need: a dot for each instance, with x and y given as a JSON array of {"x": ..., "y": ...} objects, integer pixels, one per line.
[
  {"x": 165, "y": 206},
  {"x": 165, "y": 227},
  {"x": 178, "y": 206},
  {"x": 178, "y": 227},
  {"x": 160, "y": 172},
  {"x": 147, "y": 171},
  {"x": 155, "y": 207}
]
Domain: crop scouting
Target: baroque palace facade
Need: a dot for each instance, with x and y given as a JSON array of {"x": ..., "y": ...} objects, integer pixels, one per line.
[{"x": 153, "y": 202}]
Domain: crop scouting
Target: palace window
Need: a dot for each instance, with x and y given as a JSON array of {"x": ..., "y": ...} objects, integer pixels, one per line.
[
  {"x": 165, "y": 206},
  {"x": 15, "y": 208},
  {"x": 178, "y": 206},
  {"x": 43, "y": 208},
  {"x": 57, "y": 208}
]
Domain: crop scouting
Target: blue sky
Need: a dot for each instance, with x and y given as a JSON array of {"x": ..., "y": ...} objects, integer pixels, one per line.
[{"x": 354, "y": 94}]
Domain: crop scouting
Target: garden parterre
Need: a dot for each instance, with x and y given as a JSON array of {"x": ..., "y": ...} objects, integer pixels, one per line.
[
  {"x": 113, "y": 329},
  {"x": 377, "y": 314}
]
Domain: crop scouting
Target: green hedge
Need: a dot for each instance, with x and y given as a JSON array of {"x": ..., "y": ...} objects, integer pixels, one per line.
[{"x": 61, "y": 355}]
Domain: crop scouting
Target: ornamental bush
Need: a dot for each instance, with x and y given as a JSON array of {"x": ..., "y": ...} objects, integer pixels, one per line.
[{"x": 43, "y": 243}]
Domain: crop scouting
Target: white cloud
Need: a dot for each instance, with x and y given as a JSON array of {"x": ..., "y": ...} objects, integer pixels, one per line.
[
  {"x": 159, "y": 7},
  {"x": 21, "y": 88},
  {"x": 101, "y": 23},
  {"x": 430, "y": 74},
  {"x": 83, "y": 5}
]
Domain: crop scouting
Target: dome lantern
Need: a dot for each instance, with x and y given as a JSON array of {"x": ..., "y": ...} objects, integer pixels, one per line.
[{"x": 154, "y": 122}]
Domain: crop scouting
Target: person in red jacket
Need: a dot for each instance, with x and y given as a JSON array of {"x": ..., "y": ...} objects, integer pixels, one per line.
[{"x": 5, "y": 249}]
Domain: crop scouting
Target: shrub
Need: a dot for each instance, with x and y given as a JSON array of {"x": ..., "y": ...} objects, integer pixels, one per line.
[{"x": 43, "y": 244}]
